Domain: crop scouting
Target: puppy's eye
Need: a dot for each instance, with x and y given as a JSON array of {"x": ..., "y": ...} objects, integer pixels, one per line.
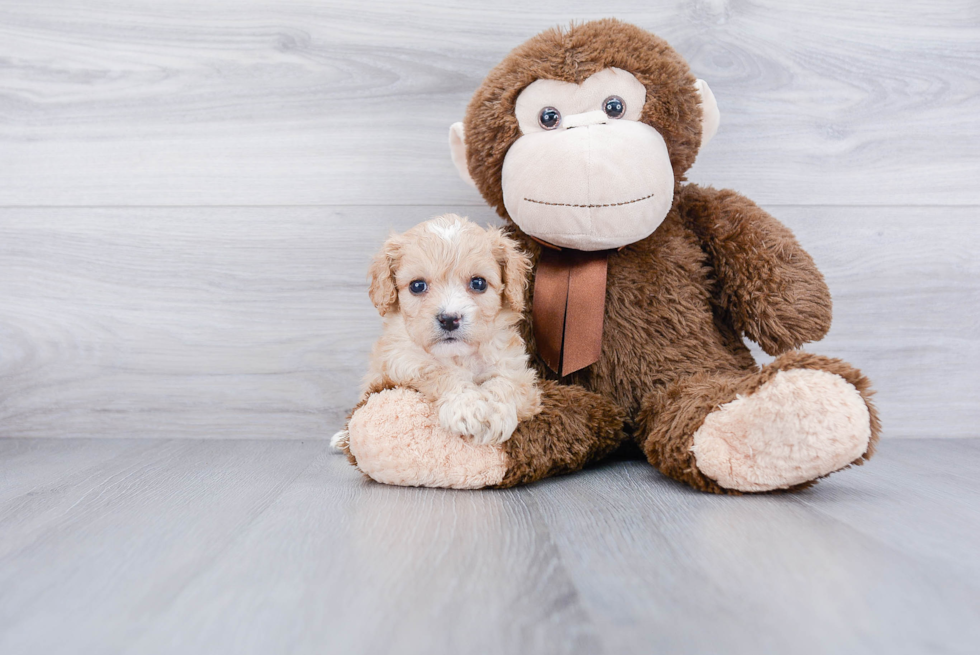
[
  {"x": 549, "y": 118},
  {"x": 478, "y": 284},
  {"x": 417, "y": 286},
  {"x": 614, "y": 107}
]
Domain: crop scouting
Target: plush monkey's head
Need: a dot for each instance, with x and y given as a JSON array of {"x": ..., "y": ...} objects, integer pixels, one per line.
[{"x": 582, "y": 136}]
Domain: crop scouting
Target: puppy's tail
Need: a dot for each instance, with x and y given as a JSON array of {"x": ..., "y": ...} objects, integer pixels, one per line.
[{"x": 340, "y": 440}]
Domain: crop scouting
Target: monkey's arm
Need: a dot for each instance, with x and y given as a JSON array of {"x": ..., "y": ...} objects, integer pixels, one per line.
[
  {"x": 767, "y": 282},
  {"x": 574, "y": 428}
]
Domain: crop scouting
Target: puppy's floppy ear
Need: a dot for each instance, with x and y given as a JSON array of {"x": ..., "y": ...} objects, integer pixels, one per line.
[
  {"x": 515, "y": 265},
  {"x": 383, "y": 291}
]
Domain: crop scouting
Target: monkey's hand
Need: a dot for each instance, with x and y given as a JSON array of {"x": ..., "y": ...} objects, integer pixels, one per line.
[{"x": 767, "y": 282}]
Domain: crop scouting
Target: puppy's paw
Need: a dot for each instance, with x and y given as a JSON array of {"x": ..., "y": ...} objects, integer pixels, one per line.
[
  {"x": 500, "y": 425},
  {"x": 466, "y": 413},
  {"x": 478, "y": 415}
]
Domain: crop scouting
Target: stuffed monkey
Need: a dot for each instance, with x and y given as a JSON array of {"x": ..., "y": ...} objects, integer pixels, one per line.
[{"x": 643, "y": 289}]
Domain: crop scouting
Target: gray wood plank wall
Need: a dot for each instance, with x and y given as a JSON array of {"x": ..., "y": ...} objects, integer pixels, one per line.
[{"x": 189, "y": 191}]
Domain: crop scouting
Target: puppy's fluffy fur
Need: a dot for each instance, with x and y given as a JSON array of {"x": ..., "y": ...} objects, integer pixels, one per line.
[{"x": 455, "y": 341}]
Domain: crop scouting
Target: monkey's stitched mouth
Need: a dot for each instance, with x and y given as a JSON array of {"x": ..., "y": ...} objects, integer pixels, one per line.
[{"x": 609, "y": 204}]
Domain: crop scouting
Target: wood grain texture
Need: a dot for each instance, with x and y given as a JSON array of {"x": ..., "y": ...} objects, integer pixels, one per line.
[
  {"x": 159, "y": 546},
  {"x": 701, "y": 574},
  {"x": 131, "y": 533},
  {"x": 228, "y": 322},
  {"x": 263, "y": 102},
  {"x": 255, "y": 322}
]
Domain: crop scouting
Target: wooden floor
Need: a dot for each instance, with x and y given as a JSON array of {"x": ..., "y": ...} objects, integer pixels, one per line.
[{"x": 262, "y": 546}]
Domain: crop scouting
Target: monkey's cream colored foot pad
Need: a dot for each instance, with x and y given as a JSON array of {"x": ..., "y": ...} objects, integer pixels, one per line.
[
  {"x": 797, "y": 427},
  {"x": 396, "y": 439}
]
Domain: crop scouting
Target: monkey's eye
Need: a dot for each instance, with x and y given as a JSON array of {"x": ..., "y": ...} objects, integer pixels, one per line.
[
  {"x": 549, "y": 118},
  {"x": 417, "y": 286},
  {"x": 478, "y": 284},
  {"x": 614, "y": 107}
]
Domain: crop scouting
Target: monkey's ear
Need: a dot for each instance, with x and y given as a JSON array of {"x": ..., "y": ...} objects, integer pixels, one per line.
[
  {"x": 710, "y": 116},
  {"x": 383, "y": 291},
  {"x": 457, "y": 150},
  {"x": 515, "y": 266}
]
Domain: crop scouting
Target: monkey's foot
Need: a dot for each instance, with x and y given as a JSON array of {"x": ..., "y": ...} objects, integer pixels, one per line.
[
  {"x": 800, "y": 425},
  {"x": 396, "y": 438}
]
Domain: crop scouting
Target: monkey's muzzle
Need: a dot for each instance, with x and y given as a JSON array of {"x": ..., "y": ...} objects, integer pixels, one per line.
[{"x": 592, "y": 187}]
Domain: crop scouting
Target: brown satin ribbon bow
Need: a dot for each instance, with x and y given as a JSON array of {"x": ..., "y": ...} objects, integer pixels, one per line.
[{"x": 568, "y": 307}]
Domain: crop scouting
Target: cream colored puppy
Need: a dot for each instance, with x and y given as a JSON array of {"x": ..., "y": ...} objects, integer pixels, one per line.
[{"x": 451, "y": 293}]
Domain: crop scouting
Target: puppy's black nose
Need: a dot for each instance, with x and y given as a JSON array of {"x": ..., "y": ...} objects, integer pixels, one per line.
[{"x": 449, "y": 322}]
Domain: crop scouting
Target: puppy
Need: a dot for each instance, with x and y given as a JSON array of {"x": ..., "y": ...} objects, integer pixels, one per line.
[{"x": 451, "y": 293}]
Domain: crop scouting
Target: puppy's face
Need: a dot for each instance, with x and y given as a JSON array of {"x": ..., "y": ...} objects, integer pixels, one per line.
[{"x": 450, "y": 280}]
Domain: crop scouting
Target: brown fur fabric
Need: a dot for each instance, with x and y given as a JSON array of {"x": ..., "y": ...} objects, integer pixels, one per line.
[
  {"x": 671, "y": 351},
  {"x": 574, "y": 428},
  {"x": 678, "y": 302}
]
